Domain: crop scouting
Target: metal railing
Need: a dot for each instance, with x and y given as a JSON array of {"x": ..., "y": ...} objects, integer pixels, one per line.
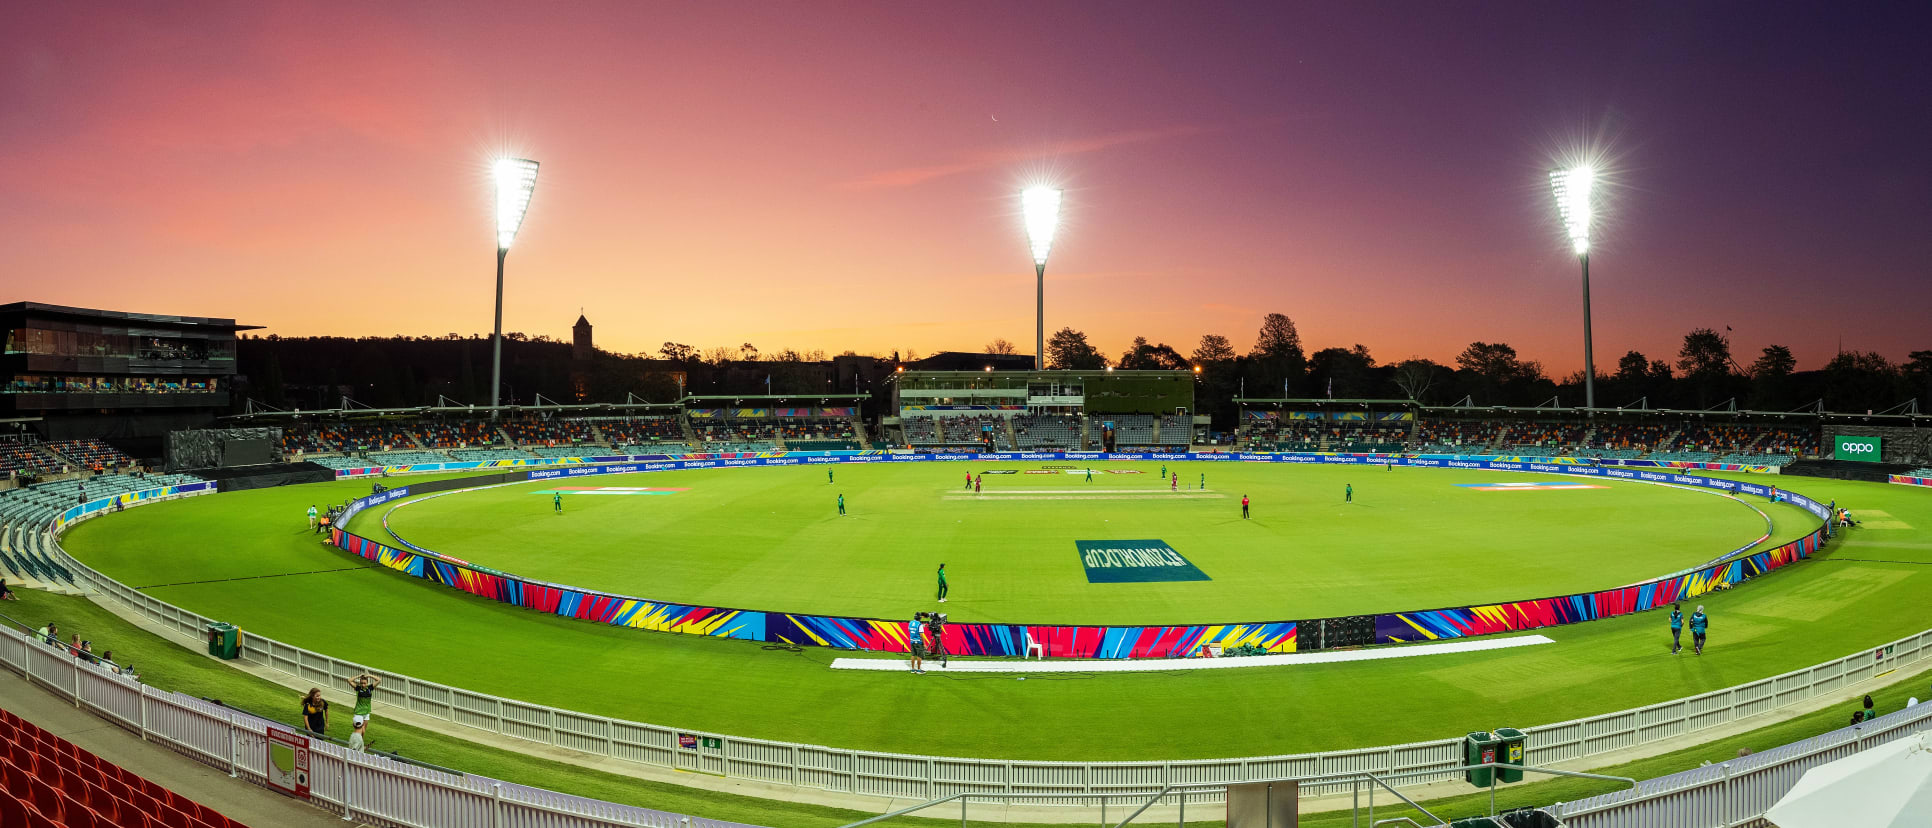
[
  {"x": 912, "y": 776},
  {"x": 1353, "y": 780},
  {"x": 360, "y": 787}
]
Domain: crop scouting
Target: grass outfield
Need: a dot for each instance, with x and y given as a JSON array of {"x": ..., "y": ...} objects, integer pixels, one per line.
[
  {"x": 166, "y": 665},
  {"x": 1873, "y": 587},
  {"x": 773, "y": 538}
]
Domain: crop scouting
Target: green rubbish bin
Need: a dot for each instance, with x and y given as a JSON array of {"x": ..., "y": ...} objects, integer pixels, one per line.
[
  {"x": 224, "y": 641},
  {"x": 1514, "y": 752},
  {"x": 1479, "y": 748}
]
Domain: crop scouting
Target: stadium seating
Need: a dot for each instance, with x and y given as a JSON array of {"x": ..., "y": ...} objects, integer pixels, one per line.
[
  {"x": 17, "y": 457},
  {"x": 673, "y": 447},
  {"x": 553, "y": 432},
  {"x": 920, "y": 431},
  {"x": 1177, "y": 430},
  {"x": 737, "y": 435},
  {"x": 52, "y": 783},
  {"x": 91, "y": 454},
  {"x": 365, "y": 436},
  {"x": 1130, "y": 430},
  {"x": 638, "y": 430},
  {"x": 1047, "y": 431},
  {"x": 341, "y": 462},
  {"x": 478, "y": 455},
  {"x": 406, "y": 458},
  {"x": 457, "y": 433}
]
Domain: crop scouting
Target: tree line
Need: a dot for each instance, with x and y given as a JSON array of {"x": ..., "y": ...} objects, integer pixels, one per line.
[
  {"x": 1704, "y": 374},
  {"x": 402, "y": 371}
]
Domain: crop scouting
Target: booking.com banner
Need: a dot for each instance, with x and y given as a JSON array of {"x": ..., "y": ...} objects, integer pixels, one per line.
[{"x": 1081, "y": 641}]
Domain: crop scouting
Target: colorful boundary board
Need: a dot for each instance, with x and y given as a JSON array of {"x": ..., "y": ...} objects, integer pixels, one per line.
[{"x": 1074, "y": 641}]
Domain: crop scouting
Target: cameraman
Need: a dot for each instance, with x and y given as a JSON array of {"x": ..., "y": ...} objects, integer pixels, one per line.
[{"x": 936, "y": 636}]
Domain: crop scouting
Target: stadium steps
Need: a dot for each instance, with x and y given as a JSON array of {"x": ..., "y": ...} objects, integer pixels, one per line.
[
  {"x": 1012, "y": 438},
  {"x": 858, "y": 427},
  {"x": 778, "y": 440},
  {"x": 690, "y": 434}
]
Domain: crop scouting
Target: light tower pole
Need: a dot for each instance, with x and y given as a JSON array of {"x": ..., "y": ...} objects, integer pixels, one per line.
[
  {"x": 1041, "y": 206},
  {"x": 516, "y": 179},
  {"x": 1572, "y": 188}
]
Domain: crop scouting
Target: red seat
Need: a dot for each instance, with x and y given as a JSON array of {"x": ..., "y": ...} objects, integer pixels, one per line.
[
  {"x": 47, "y": 800},
  {"x": 65, "y": 761},
  {"x": 144, "y": 803},
  {"x": 174, "y": 818},
  {"x": 12, "y": 811},
  {"x": 103, "y": 803},
  {"x": 36, "y": 819}
]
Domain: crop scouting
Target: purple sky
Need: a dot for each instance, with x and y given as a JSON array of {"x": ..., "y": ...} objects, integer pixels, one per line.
[{"x": 843, "y": 175}]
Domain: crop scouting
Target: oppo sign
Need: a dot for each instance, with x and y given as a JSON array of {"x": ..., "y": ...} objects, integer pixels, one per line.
[{"x": 1864, "y": 449}]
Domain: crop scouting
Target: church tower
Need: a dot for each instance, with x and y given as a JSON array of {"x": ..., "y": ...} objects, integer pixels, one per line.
[{"x": 580, "y": 347}]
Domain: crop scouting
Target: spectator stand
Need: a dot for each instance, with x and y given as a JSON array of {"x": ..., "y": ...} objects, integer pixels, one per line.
[{"x": 1354, "y": 426}]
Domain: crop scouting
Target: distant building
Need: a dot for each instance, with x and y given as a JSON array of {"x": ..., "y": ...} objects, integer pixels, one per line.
[
  {"x": 75, "y": 373},
  {"x": 580, "y": 347}
]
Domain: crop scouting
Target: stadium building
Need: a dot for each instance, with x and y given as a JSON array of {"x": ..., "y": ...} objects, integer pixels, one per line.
[{"x": 75, "y": 373}]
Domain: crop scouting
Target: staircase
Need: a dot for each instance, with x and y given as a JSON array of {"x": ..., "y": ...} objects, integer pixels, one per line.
[
  {"x": 1012, "y": 437},
  {"x": 690, "y": 434},
  {"x": 858, "y": 427}
]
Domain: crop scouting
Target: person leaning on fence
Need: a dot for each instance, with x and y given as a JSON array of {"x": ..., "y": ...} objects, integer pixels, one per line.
[{"x": 355, "y": 737}]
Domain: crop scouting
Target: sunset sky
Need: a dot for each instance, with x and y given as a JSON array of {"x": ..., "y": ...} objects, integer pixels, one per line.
[{"x": 845, "y": 176}]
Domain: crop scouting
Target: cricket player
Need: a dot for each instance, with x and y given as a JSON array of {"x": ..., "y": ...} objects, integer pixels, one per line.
[
  {"x": 841, "y": 503},
  {"x": 556, "y": 501},
  {"x": 942, "y": 583},
  {"x": 1348, "y": 493},
  {"x": 311, "y": 517},
  {"x": 1699, "y": 622},
  {"x": 828, "y": 475}
]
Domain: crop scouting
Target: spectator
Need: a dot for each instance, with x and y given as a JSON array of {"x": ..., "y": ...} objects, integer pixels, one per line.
[
  {"x": 315, "y": 712},
  {"x": 107, "y": 661},
  {"x": 6, "y": 594},
  {"x": 1857, "y": 716},
  {"x": 49, "y": 634},
  {"x": 355, "y": 737},
  {"x": 365, "y": 687},
  {"x": 1870, "y": 714}
]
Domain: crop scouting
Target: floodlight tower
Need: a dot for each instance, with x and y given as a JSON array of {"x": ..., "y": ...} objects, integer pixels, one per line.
[
  {"x": 1042, "y": 208},
  {"x": 1572, "y": 188},
  {"x": 516, "y": 178}
]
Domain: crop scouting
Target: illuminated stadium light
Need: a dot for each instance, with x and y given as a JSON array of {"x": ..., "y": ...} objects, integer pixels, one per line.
[
  {"x": 1041, "y": 206},
  {"x": 516, "y": 179},
  {"x": 1572, "y": 188}
]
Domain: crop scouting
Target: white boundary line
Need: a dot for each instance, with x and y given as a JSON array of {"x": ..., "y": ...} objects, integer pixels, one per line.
[{"x": 1162, "y": 665}]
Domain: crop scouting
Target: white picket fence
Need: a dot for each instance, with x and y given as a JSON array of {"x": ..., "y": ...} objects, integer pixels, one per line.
[
  {"x": 362, "y": 788},
  {"x": 1736, "y": 793},
  {"x": 908, "y": 776}
]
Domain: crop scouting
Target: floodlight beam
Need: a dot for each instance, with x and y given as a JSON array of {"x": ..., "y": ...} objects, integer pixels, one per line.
[{"x": 1041, "y": 207}]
